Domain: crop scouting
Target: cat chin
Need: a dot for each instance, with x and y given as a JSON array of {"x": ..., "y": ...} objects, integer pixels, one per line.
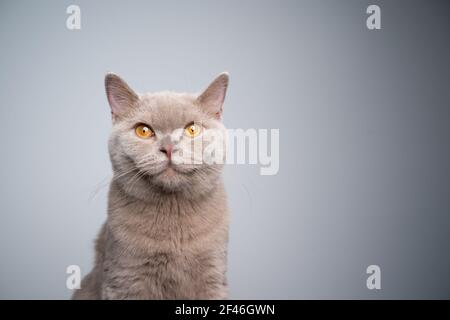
[
  {"x": 171, "y": 179},
  {"x": 189, "y": 181}
]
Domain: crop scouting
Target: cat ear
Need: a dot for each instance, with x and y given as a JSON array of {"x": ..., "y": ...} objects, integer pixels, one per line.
[
  {"x": 211, "y": 100},
  {"x": 121, "y": 97}
]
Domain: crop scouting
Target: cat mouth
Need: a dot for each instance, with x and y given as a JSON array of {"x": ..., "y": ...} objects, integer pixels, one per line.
[
  {"x": 171, "y": 170},
  {"x": 165, "y": 171}
]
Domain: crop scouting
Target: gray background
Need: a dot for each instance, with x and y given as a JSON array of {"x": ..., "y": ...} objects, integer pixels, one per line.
[{"x": 364, "y": 119}]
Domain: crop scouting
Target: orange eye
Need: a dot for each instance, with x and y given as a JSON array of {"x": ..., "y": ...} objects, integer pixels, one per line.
[
  {"x": 192, "y": 130},
  {"x": 143, "y": 131}
]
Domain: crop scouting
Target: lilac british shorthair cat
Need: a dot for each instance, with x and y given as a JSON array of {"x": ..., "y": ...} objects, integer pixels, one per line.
[{"x": 166, "y": 233}]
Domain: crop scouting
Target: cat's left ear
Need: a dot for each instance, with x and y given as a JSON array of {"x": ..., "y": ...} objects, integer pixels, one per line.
[
  {"x": 121, "y": 97},
  {"x": 211, "y": 100}
]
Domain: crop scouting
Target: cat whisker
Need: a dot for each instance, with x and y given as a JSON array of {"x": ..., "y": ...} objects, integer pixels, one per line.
[
  {"x": 102, "y": 184},
  {"x": 134, "y": 180}
]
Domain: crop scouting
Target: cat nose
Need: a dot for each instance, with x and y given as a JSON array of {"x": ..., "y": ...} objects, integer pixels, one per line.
[{"x": 167, "y": 149}]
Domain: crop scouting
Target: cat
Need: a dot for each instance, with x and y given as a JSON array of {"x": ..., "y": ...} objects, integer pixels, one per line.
[{"x": 166, "y": 232}]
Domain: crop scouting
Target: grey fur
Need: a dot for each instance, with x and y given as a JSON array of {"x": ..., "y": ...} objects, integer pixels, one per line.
[{"x": 166, "y": 233}]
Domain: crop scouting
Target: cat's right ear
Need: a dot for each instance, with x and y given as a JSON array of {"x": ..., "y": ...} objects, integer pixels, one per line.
[{"x": 121, "y": 97}]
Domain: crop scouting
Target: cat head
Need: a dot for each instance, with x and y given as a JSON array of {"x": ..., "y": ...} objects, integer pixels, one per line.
[{"x": 158, "y": 140}]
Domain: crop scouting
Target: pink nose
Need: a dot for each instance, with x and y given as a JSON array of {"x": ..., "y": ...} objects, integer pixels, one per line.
[{"x": 167, "y": 149}]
